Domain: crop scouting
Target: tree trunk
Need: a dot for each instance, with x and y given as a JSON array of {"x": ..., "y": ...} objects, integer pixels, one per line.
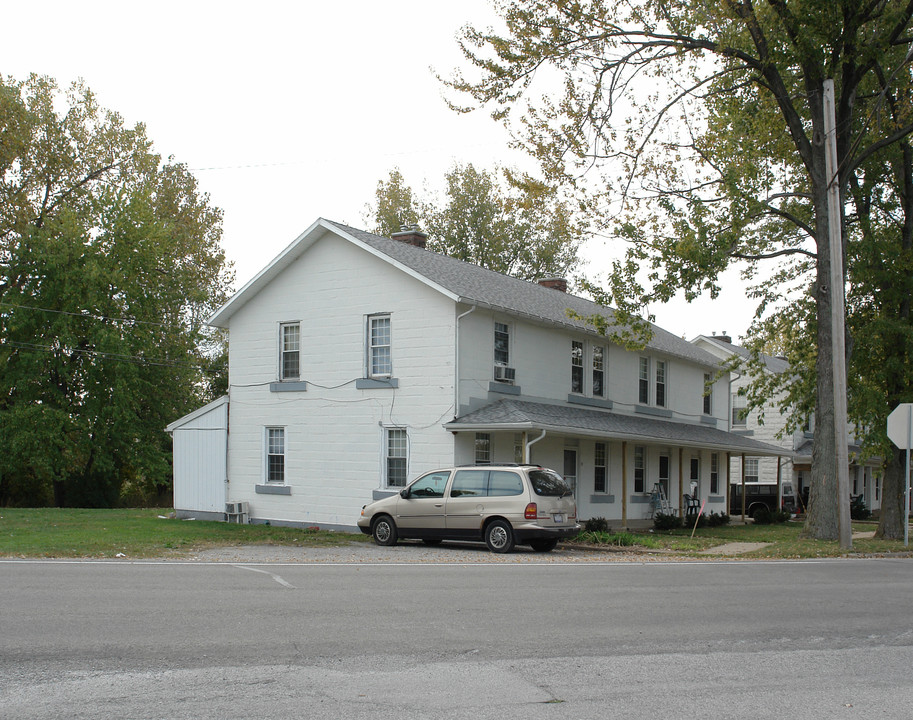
[{"x": 890, "y": 525}]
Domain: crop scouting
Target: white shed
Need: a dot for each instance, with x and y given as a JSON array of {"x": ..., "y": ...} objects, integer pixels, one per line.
[{"x": 200, "y": 451}]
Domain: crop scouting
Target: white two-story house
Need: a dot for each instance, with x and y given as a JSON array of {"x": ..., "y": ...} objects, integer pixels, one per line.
[{"x": 357, "y": 362}]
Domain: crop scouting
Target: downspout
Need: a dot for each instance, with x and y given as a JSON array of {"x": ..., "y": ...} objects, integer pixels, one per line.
[
  {"x": 529, "y": 444},
  {"x": 456, "y": 369}
]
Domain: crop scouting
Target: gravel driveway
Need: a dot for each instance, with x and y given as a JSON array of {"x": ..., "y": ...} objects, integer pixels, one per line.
[{"x": 448, "y": 552}]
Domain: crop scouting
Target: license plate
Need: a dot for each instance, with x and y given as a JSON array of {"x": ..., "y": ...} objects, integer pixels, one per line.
[{"x": 558, "y": 517}]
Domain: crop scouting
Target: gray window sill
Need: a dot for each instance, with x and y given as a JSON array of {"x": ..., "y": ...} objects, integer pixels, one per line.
[
  {"x": 289, "y": 386},
  {"x": 503, "y": 388},
  {"x": 655, "y": 411},
  {"x": 602, "y": 499},
  {"x": 589, "y": 401},
  {"x": 273, "y": 489},
  {"x": 376, "y": 383}
]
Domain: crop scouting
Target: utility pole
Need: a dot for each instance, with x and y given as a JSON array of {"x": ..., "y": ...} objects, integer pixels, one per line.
[{"x": 838, "y": 321}]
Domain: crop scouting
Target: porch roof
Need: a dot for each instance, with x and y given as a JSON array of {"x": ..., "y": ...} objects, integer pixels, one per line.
[{"x": 521, "y": 415}]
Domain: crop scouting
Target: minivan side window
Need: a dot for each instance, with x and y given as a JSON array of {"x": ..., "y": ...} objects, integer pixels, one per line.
[
  {"x": 429, "y": 486},
  {"x": 470, "y": 483},
  {"x": 504, "y": 482}
]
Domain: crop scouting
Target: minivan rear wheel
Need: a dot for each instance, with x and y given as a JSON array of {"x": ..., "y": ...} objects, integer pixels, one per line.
[
  {"x": 499, "y": 536},
  {"x": 544, "y": 544},
  {"x": 384, "y": 531}
]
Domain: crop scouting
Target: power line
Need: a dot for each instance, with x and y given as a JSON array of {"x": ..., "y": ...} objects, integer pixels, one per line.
[
  {"x": 120, "y": 357},
  {"x": 88, "y": 316}
]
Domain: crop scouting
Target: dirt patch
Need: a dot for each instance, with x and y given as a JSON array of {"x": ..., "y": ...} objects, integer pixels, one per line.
[{"x": 736, "y": 548}]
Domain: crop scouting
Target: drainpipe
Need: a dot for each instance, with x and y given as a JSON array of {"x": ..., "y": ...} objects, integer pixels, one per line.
[
  {"x": 529, "y": 444},
  {"x": 456, "y": 369}
]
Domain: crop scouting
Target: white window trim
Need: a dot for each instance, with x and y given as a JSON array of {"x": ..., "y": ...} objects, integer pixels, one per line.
[
  {"x": 385, "y": 456},
  {"x": 267, "y": 454},
  {"x": 604, "y": 370},
  {"x": 510, "y": 342},
  {"x": 640, "y": 379},
  {"x": 281, "y": 354},
  {"x": 581, "y": 366},
  {"x": 665, "y": 367},
  {"x": 369, "y": 345}
]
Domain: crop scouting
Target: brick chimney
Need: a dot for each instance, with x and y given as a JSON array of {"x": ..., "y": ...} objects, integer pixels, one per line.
[
  {"x": 723, "y": 338},
  {"x": 411, "y": 235},
  {"x": 555, "y": 283}
]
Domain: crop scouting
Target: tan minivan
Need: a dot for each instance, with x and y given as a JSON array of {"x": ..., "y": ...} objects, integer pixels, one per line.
[{"x": 503, "y": 505}]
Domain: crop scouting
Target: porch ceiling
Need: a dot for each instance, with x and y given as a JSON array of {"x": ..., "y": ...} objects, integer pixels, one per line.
[{"x": 519, "y": 415}]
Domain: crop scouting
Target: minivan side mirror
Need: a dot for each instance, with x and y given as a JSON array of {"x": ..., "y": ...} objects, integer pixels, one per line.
[{"x": 404, "y": 493}]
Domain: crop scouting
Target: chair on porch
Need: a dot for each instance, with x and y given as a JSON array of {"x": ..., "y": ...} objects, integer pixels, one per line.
[{"x": 692, "y": 505}]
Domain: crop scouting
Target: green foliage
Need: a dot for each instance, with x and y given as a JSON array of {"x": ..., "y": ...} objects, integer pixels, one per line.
[
  {"x": 715, "y": 519},
  {"x": 496, "y": 219},
  {"x": 599, "y": 524},
  {"x": 604, "y": 537},
  {"x": 766, "y": 516},
  {"x": 858, "y": 509},
  {"x": 109, "y": 264},
  {"x": 662, "y": 521},
  {"x": 718, "y": 161}
]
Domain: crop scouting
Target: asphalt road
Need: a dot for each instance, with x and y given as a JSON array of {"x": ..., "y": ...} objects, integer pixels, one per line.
[{"x": 828, "y": 639}]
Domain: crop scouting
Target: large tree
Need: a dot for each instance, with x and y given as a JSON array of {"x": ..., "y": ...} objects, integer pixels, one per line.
[
  {"x": 498, "y": 219},
  {"x": 701, "y": 124},
  {"x": 110, "y": 261}
]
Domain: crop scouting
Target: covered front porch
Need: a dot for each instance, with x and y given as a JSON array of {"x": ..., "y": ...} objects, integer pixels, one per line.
[{"x": 615, "y": 462}]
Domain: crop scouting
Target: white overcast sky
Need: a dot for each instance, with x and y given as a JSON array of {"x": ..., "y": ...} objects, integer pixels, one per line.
[{"x": 290, "y": 111}]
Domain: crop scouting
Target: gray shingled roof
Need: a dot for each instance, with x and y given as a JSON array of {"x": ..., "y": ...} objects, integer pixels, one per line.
[
  {"x": 510, "y": 414},
  {"x": 773, "y": 364},
  {"x": 478, "y": 286}
]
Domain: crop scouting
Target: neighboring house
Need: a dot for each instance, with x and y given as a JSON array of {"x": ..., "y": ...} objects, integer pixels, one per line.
[
  {"x": 357, "y": 362},
  {"x": 864, "y": 477}
]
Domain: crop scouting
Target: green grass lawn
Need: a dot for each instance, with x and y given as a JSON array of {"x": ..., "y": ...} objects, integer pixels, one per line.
[
  {"x": 784, "y": 540},
  {"x": 66, "y": 533},
  {"x": 77, "y": 533}
]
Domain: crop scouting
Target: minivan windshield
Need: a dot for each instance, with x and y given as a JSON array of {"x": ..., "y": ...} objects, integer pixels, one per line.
[{"x": 548, "y": 483}]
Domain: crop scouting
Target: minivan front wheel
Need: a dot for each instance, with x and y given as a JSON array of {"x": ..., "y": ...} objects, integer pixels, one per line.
[
  {"x": 384, "y": 531},
  {"x": 499, "y": 536}
]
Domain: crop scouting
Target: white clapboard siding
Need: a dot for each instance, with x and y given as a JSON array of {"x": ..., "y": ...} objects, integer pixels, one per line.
[{"x": 200, "y": 442}]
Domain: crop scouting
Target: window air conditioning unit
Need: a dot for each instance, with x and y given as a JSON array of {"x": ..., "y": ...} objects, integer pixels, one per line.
[
  {"x": 505, "y": 374},
  {"x": 237, "y": 512}
]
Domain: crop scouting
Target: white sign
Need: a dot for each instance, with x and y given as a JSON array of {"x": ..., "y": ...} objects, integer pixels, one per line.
[{"x": 899, "y": 430}]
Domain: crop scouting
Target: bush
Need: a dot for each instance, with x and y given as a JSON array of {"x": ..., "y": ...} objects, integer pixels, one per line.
[
  {"x": 666, "y": 522},
  {"x": 858, "y": 510},
  {"x": 596, "y": 525},
  {"x": 597, "y": 537},
  {"x": 766, "y": 516},
  {"x": 716, "y": 519}
]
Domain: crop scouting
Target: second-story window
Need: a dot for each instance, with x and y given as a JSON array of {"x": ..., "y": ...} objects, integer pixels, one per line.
[
  {"x": 643, "y": 385},
  {"x": 661, "y": 383},
  {"x": 738, "y": 411},
  {"x": 290, "y": 351},
  {"x": 599, "y": 371},
  {"x": 576, "y": 366},
  {"x": 708, "y": 394},
  {"x": 380, "y": 359},
  {"x": 502, "y": 344}
]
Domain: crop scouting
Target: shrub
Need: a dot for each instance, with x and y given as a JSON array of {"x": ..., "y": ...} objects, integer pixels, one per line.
[
  {"x": 858, "y": 510},
  {"x": 716, "y": 519},
  {"x": 666, "y": 522},
  {"x": 763, "y": 516},
  {"x": 594, "y": 525}
]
